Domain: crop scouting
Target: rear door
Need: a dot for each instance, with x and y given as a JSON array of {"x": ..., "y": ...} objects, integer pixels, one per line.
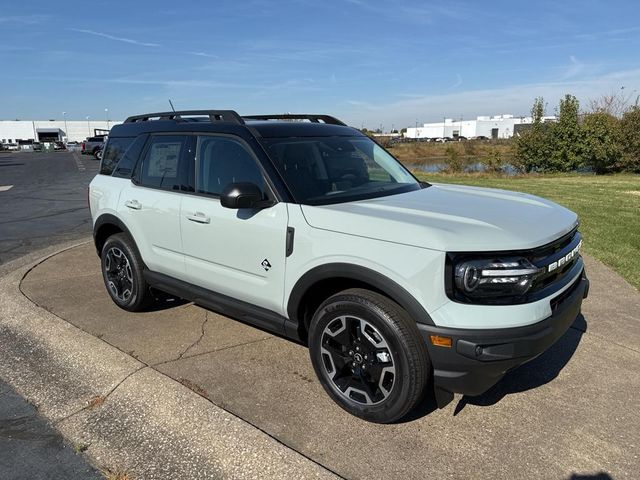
[
  {"x": 238, "y": 253},
  {"x": 150, "y": 204}
]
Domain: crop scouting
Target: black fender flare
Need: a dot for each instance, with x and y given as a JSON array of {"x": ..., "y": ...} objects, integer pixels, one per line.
[
  {"x": 361, "y": 274},
  {"x": 108, "y": 219}
]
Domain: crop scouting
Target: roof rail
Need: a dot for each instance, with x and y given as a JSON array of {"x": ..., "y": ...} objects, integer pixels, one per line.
[
  {"x": 290, "y": 116},
  {"x": 214, "y": 116}
]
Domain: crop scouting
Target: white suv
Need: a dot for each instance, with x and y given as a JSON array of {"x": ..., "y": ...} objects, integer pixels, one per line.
[{"x": 303, "y": 226}]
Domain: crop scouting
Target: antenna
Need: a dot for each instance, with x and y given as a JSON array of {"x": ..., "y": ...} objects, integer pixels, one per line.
[{"x": 171, "y": 105}]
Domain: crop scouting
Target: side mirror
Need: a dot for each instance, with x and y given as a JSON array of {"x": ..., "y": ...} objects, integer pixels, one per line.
[{"x": 241, "y": 195}]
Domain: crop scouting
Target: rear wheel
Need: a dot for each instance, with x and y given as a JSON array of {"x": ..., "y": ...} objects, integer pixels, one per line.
[
  {"x": 122, "y": 272},
  {"x": 98, "y": 154},
  {"x": 369, "y": 355}
]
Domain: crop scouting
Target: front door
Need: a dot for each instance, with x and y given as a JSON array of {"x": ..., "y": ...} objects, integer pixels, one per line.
[{"x": 238, "y": 253}]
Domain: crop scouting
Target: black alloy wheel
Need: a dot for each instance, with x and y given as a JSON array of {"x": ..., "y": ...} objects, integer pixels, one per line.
[
  {"x": 369, "y": 355},
  {"x": 122, "y": 272}
]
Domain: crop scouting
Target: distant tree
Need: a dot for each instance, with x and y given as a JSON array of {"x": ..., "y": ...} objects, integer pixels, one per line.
[
  {"x": 493, "y": 162},
  {"x": 532, "y": 147},
  {"x": 615, "y": 104},
  {"x": 630, "y": 137},
  {"x": 602, "y": 142},
  {"x": 455, "y": 163},
  {"x": 567, "y": 137},
  {"x": 538, "y": 110}
]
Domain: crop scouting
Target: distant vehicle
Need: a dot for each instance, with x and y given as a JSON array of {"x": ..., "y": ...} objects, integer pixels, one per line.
[
  {"x": 59, "y": 146},
  {"x": 98, "y": 152},
  {"x": 480, "y": 137},
  {"x": 461, "y": 138},
  {"x": 37, "y": 147},
  {"x": 11, "y": 146},
  {"x": 92, "y": 144},
  {"x": 444, "y": 139}
]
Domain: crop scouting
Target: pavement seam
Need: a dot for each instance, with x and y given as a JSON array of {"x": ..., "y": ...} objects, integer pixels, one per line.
[
  {"x": 40, "y": 262},
  {"x": 104, "y": 397}
]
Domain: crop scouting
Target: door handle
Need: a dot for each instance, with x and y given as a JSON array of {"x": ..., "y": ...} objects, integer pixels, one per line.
[
  {"x": 199, "y": 217},
  {"x": 133, "y": 204}
]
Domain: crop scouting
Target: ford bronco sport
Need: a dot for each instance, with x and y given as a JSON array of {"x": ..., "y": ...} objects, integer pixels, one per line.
[{"x": 303, "y": 226}]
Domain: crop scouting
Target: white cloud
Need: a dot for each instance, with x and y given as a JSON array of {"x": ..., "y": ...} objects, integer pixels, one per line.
[
  {"x": 24, "y": 19},
  {"x": 112, "y": 37},
  {"x": 458, "y": 82},
  {"x": 203, "y": 54},
  {"x": 515, "y": 99}
]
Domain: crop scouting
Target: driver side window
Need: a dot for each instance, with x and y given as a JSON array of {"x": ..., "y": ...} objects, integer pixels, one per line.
[{"x": 221, "y": 161}]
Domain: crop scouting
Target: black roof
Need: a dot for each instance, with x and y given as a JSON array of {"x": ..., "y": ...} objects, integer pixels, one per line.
[{"x": 228, "y": 121}]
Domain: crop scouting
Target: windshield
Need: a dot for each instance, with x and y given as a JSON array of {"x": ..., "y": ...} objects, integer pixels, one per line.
[{"x": 323, "y": 170}]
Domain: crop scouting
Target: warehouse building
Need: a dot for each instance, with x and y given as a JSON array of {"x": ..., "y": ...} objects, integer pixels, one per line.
[
  {"x": 15, "y": 131},
  {"x": 495, "y": 127}
]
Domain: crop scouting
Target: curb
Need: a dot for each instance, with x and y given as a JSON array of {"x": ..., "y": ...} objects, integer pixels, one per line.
[{"x": 130, "y": 417}]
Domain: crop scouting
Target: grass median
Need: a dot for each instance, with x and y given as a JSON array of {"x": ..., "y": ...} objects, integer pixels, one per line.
[{"x": 608, "y": 206}]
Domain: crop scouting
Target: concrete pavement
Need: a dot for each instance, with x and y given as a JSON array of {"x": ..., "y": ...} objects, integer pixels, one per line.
[
  {"x": 571, "y": 413},
  {"x": 130, "y": 417}
]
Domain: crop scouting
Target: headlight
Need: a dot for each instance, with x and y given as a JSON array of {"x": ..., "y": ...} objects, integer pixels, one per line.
[{"x": 491, "y": 278}]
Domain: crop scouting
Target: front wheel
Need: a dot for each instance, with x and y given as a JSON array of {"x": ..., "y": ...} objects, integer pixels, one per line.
[{"x": 369, "y": 355}]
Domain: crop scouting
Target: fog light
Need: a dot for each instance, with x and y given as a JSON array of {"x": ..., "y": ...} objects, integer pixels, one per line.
[{"x": 439, "y": 341}]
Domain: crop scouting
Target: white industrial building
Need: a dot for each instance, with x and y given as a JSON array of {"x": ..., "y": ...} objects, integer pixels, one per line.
[
  {"x": 14, "y": 131},
  {"x": 498, "y": 126}
]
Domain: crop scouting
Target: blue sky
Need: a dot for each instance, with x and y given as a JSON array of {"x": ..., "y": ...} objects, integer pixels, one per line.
[{"x": 368, "y": 62}]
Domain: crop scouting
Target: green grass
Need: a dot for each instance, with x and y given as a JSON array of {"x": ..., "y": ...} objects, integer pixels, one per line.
[{"x": 608, "y": 206}]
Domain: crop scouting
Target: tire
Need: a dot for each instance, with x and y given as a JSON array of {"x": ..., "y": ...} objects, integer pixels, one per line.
[
  {"x": 98, "y": 154},
  {"x": 369, "y": 355},
  {"x": 122, "y": 272}
]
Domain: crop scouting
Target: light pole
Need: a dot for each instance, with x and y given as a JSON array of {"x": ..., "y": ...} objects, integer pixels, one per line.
[
  {"x": 106, "y": 112},
  {"x": 66, "y": 132},
  {"x": 89, "y": 125}
]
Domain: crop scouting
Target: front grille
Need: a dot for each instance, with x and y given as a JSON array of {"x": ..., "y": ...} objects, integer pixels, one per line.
[{"x": 555, "y": 252}]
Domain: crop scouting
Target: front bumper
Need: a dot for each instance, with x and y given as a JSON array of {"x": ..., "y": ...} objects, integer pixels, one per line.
[{"x": 477, "y": 359}]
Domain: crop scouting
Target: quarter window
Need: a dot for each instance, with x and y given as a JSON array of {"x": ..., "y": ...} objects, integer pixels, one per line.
[
  {"x": 222, "y": 161},
  {"x": 113, "y": 152}
]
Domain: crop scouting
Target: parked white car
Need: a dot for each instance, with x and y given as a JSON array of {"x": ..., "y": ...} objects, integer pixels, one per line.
[{"x": 305, "y": 227}]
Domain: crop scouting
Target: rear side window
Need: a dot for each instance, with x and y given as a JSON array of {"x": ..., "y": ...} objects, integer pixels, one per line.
[
  {"x": 113, "y": 152},
  {"x": 161, "y": 166}
]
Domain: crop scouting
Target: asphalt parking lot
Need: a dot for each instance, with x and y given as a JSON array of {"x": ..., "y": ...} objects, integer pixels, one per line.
[
  {"x": 571, "y": 413},
  {"x": 43, "y": 200}
]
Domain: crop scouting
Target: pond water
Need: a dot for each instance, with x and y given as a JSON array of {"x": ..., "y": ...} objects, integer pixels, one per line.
[{"x": 508, "y": 169}]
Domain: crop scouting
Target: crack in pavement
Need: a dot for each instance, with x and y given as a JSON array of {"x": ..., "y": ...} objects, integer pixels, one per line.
[
  {"x": 194, "y": 344},
  {"x": 215, "y": 350}
]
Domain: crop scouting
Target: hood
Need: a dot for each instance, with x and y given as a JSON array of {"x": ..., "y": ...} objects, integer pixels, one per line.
[{"x": 450, "y": 218}]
